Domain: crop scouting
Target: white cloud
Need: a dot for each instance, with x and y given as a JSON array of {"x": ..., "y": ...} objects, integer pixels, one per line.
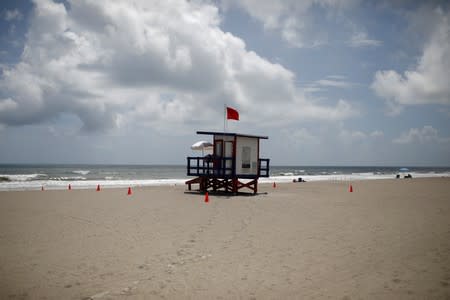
[
  {"x": 377, "y": 134},
  {"x": 7, "y": 103},
  {"x": 331, "y": 81},
  {"x": 428, "y": 82},
  {"x": 361, "y": 39},
  {"x": 343, "y": 110},
  {"x": 334, "y": 82},
  {"x": 424, "y": 135},
  {"x": 351, "y": 135},
  {"x": 13, "y": 15},
  {"x": 163, "y": 64}
]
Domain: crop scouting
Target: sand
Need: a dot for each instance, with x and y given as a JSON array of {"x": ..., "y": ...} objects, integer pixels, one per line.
[{"x": 389, "y": 239}]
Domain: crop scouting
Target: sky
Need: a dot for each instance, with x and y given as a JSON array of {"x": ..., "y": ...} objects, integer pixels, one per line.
[{"x": 330, "y": 82}]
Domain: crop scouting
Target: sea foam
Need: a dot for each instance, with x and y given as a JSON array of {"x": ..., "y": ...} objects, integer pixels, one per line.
[
  {"x": 81, "y": 172},
  {"x": 22, "y": 177}
]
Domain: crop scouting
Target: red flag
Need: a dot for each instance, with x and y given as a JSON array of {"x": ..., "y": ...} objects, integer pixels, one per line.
[{"x": 232, "y": 114}]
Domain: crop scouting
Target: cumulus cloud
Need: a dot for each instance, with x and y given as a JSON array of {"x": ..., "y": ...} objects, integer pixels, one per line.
[
  {"x": 161, "y": 64},
  {"x": 424, "y": 135},
  {"x": 428, "y": 81}
]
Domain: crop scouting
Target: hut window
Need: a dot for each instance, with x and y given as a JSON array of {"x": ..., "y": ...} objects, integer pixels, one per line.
[{"x": 246, "y": 157}]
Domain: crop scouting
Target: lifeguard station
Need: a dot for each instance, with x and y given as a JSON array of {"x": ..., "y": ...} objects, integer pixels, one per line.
[{"x": 234, "y": 164}]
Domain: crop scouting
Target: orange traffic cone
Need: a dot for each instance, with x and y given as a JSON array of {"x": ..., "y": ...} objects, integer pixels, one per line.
[
  {"x": 274, "y": 185},
  {"x": 98, "y": 187},
  {"x": 70, "y": 187},
  {"x": 129, "y": 191},
  {"x": 206, "y": 197},
  {"x": 350, "y": 189}
]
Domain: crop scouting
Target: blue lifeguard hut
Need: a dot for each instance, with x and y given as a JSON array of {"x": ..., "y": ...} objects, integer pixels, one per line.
[{"x": 234, "y": 164}]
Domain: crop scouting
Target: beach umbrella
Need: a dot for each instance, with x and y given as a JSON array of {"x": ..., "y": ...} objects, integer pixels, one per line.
[
  {"x": 202, "y": 145},
  {"x": 404, "y": 170}
]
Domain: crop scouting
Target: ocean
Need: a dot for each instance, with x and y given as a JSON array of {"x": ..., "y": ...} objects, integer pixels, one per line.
[{"x": 33, "y": 176}]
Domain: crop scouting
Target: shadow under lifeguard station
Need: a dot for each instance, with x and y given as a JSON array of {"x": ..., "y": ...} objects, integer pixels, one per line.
[{"x": 234, "y": 164}]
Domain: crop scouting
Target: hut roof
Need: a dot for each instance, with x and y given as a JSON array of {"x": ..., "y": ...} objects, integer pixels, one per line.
[{"x": 232, "y": 134}]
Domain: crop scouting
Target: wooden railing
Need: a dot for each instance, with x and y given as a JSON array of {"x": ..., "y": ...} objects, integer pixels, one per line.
[
  {"x": 210, "y": 166},
  {"x": 222, "y": 167},
  {"x": 263, "y": 167}
]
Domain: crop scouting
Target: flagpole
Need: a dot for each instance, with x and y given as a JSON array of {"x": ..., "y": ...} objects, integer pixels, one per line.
[{"x": 224, "y": 116}]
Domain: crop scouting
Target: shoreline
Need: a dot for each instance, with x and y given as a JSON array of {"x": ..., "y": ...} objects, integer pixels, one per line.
[{"x": 108, "y": 184}]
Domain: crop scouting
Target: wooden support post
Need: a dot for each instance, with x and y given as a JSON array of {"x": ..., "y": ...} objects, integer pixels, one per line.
[
  {"x": 188, "y": 167},
  {"x": 198, "y": 165}
]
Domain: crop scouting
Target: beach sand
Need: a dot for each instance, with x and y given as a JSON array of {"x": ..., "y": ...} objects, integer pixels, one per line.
[{"x": 389, "y": 239}]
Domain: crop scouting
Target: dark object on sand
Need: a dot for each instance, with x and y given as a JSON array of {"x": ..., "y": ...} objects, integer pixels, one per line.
[
  {"x": 408, "y": 176},
  {"x": 298, "y": 180},
  {"x": 398, "y": 176}
]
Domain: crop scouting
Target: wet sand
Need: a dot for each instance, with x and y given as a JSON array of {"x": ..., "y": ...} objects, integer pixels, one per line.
[{"x": 389, "y": 239}]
